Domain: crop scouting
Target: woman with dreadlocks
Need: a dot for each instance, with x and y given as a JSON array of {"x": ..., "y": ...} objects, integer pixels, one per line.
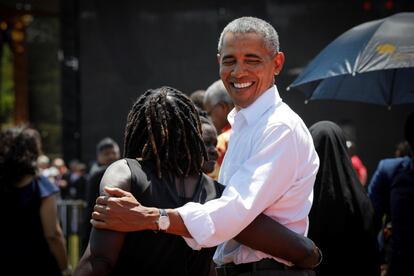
[{"x": 164, "y": 153}]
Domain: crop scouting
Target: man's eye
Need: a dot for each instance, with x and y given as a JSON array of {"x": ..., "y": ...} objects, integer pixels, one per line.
[
  {"x": 253, "y": 61},
  {"x": 227, "y": 62}
]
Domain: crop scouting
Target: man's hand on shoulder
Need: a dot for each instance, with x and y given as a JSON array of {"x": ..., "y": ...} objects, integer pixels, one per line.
[{"x": 120, "y": 211}]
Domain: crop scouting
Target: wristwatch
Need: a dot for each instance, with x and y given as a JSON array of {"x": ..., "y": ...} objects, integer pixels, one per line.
[{"x": 163, "y": 220}]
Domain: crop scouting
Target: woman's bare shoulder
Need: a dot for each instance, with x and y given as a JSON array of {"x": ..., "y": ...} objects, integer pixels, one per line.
[{"x": 117, "y": 175}]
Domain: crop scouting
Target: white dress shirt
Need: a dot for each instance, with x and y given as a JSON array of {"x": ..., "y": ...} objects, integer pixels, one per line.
[{"x": 270, "y": 167}]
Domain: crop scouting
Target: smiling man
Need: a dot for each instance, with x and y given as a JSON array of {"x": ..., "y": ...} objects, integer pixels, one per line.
[
  {"x": 248, "y": 66},
  {"x": 270, "y": 165}
]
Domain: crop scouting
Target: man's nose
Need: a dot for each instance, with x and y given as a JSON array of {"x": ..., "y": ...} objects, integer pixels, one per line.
[{"x": 239, "y": 70}]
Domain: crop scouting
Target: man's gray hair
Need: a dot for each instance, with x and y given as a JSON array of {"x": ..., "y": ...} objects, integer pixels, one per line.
[
  {"x": 244, "y": 25},
  {"x": 217, "y": 93}
]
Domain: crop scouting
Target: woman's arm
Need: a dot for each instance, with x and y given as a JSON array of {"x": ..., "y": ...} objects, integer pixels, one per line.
[
  {"x": 101, "y": 254},
  {"x": 52, "y": 231},
  {"x": 104, "y": 245}
]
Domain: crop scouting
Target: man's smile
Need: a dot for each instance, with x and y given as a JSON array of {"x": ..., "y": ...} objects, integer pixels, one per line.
[{"x": 241, "y": 85}]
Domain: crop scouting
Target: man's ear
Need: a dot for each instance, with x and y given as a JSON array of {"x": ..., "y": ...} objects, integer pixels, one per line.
[
  {"x": 279, "y": 60},
  {"x": 218, "y": 58}
]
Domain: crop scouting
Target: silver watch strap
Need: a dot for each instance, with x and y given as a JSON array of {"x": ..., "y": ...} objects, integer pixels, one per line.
[{"x": 163, "y": 213}]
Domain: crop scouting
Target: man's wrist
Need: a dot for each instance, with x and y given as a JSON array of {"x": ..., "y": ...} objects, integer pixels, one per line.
[
  {"x": 163, "y": 220},
  {"x": 152, "y": 215}
]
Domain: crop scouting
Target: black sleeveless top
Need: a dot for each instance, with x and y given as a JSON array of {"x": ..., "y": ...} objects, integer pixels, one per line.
[
  {"x": 23, "y": 247},
  {"x": 157, "y": 253}
]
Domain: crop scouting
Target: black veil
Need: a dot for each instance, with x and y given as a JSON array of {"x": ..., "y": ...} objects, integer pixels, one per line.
[{"x": 341, "y": 218}]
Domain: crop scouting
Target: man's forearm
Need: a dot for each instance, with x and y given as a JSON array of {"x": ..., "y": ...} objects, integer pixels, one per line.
[
  {"x": 265, "y": 235},
  {"x": 146, "y": 218},
  {"x": 177, "y": 226}
]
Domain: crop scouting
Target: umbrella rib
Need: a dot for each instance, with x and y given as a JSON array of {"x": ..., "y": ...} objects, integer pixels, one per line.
[{"x": 391, "y": 95}]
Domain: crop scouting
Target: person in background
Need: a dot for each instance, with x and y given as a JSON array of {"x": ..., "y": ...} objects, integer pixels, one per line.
[
  {"x": 45, "y": 168},
  {"x": 269, "y": 167},
  {"x": 402, "y": 210},
  {"x": 403, "y": 149},
  {"x": 60, "y": 164},
  {"x": 210, "y": 141},
  {"x": 32, "y": 242},
  {"x": 218, "y": 104},
  {"x": 209, "y": 135},
  {"x": 341, "y": 219},
  {"x": 43, "y": 164},
  {"x": 67, "y": 180},
  {"x": 62, "y": 170},
  {"x": 78, "y": 183},
  {"x": 197, "y": 97},
  {"x": 359, "y": 167},
  {"x": 107, "y": 152},
  {"x": 379, "y": 191}
]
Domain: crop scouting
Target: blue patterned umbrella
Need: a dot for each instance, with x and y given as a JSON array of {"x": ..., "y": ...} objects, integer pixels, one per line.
[{"x": 372, "y": 62}]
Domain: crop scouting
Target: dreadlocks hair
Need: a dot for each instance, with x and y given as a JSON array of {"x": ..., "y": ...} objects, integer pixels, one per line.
[{"x": 163, "y": 127}]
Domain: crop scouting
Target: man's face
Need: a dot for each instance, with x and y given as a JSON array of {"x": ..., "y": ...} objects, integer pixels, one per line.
[
  {"x": 218, "y": 114},
  {"x": 108, "y": 155},
  {"x": 247, "y": 67}
]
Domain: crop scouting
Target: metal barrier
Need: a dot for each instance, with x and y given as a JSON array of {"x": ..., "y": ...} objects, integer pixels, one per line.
[{"x": 71, "y": 218}]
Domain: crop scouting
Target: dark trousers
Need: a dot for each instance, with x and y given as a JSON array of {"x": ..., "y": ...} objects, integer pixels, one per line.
[{"x": 264, "y": 267}]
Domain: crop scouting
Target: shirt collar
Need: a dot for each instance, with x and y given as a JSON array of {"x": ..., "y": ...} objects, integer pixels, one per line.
[{"x": 254, "y": 111}]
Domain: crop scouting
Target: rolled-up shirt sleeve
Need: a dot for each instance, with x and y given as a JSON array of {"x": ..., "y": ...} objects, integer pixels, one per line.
[{"x": 258, "y": 183}]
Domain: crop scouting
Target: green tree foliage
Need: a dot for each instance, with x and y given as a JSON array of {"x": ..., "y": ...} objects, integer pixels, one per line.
[{"x": 6, "y": 86}]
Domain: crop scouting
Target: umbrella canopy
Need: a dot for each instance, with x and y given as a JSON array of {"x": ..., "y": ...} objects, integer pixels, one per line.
[{"x": 372, "y": 62}]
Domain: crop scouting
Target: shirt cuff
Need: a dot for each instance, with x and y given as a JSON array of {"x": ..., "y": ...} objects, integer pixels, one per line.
[
  {"x": 198, "y": 223},
  {"x": 192, "y": 243}
]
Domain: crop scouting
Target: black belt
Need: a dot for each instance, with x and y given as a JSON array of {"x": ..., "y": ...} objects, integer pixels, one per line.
[{"x": 232, "y": 269}]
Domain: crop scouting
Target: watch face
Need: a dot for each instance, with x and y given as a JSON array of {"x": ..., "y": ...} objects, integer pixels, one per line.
[{"x": 164, "y": 222}]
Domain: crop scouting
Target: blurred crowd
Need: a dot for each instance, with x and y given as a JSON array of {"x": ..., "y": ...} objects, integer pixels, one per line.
[{"x": 74, "y": 179}]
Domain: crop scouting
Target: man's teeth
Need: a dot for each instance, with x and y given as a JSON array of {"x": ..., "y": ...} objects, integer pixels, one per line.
[{"x": 242, "y": 85}]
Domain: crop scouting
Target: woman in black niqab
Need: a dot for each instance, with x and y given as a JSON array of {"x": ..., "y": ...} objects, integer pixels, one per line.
[{"x": 341, "y": 218}]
